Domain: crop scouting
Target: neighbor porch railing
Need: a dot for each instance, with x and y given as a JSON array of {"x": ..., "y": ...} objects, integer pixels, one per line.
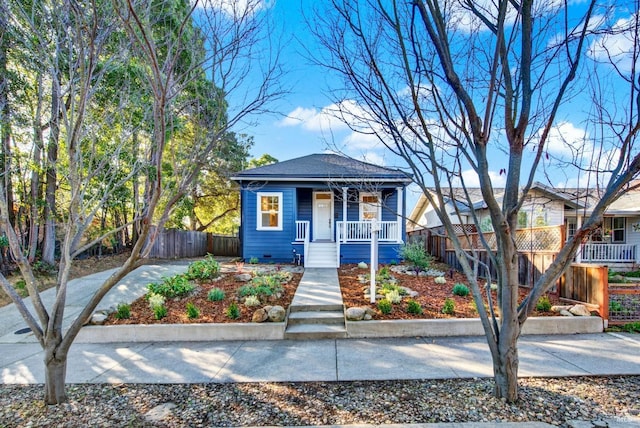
[
  {"x": 593, "y": 253},
  {"x": 348, "y": 231}
]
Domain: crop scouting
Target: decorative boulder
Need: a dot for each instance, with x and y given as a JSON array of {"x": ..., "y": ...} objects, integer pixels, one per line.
[
  {"x": 362, "y": 265},
  {"x": 98, "y": 318},
  {"x": 243, "y": 277},
  {"x": 566, "y": 313},
  {"x": 260, "y": 316},
  {"x": 580, "y": 311},
  {"x": 355, "y": 314},
  {"x": 277, "y": 314}
]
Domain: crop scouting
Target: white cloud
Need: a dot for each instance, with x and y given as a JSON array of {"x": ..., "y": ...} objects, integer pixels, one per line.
[
  {"x": 616, "y": 48},
  {"x": 360, "y": 140},
  {"x": 236, "y": 8},
  {"x": 566, "y": 140},
  {"x": 330, "y": 118},
  {"x": 471, "y": 179},
  {"x": 371, "y": 157}
]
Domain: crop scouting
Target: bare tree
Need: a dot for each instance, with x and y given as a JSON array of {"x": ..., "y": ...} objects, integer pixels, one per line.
[
  {"x": 173, "y": 50},
  {"x": 458, "y": 86}
]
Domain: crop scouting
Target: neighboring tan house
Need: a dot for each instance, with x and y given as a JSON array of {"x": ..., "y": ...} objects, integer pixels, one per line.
[
  {"x": 615, "y": 243},
  {"x": 321, "y": 209}
]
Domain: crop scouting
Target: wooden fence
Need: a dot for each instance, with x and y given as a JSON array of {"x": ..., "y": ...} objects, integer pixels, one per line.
[
  {"x": 582, "y": 283},
  {"x": 176, "y": 244}
]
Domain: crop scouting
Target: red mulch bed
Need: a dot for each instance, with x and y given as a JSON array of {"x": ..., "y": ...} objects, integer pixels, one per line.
[
  {"x": 210, "y": 312},
  {"x": 431, "y": 295}
]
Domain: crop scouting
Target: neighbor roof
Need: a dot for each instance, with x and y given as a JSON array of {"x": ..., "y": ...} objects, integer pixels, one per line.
[{"x": 322, "y": 167}]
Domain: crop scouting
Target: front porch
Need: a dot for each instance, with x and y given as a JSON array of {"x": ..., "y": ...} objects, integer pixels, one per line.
[{"x": 605, "y": 253}]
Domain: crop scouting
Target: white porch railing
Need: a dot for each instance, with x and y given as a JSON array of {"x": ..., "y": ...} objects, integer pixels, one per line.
[
  {"x": 347, "y": 231},
  {"x": 608, "y": 253},
  {"x": 302, "y": 234}
]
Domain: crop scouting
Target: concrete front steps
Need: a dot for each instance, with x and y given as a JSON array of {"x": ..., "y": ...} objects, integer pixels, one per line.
[
  {"x": 316, "y": 322},
  {"x": 321, "y": 255}
]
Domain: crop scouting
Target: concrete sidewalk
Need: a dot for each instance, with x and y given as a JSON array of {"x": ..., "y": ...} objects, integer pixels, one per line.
[{"x": 324, "y": 360}]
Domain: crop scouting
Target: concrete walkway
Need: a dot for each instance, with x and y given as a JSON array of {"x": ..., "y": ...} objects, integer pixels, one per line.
[{"x": 318, "y": 287}]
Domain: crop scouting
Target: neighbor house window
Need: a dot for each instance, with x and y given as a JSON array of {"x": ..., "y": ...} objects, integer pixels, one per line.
[
  {"x": 370, "y": 207},
  {"x": 269, "y": 211},
  {"x": 618, "y": 229}
]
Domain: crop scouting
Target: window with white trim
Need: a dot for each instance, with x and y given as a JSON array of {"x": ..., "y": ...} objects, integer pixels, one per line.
[
  {"x": 269, "y": 211},
  {"x": 370, "y": 206},
  {"x": 619, "y": 225}
]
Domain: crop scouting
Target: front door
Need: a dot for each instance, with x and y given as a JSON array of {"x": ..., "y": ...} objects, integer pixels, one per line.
[{"x": 322, "y": 216}]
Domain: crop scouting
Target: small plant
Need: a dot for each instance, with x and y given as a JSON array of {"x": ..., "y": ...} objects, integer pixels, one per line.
[
  {"x": 207, "y": 268},
  {"x": 156, "y": 303},
  {"x": 192, "y": 311},
  {"x": 393, "y": 296},
  {"x": 543, "y": 304},
  {"x": 123, "y": 311},
  {"x": 21, "y": 288},
  {"x": 384, "y": 306},
  {"x": 416, "y": 255},
  {"x": 440, "y": 280},
  {"x": 252, "y": 301},
  {"x": 239, "y": 267},
  {"x": 393, "y": 262},
  {"x": 174, "y": 286},
  {"x": 43, "y": 268},
  {"x": 460, "y": 290},
  {"x": 387, "y": 286},
  {"x": 232, "y": 311},
  {"x": 383, "y": 274},
  {"x": 160, "y": 312},
  {"x": 155, "y": 300},
  {"x": 253, "y": 261},
  {"x": 413, "y": 307},
  {"x": 215, "y": 295},
  {"x": 615, "y": 306},
  {"x": 449, "y": 307},
  {"x": 633, "y": 327}
]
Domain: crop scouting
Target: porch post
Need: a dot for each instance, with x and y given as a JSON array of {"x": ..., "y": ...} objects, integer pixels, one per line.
[
  {"x": 579, "y": 252},
  {"x": 344, "y": 213},
  {"x": 399, "y": 214}
]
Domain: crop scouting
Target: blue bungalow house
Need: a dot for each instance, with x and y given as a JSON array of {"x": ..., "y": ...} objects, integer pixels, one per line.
[{"x": 321, "y": 209}]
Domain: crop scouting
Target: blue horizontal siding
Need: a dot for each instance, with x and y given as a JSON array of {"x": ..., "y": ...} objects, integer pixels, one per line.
[{"x": 355, "y": 253}]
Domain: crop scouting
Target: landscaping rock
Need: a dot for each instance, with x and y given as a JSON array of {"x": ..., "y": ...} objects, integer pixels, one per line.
[
  {"x": 362, "y": 265},
  {"x": 98, "y": 318},
  {"x": 260, "y": 316},
  {"x": 277, "y": 314},
  {"x": 580, "y": 311},
  {"x": 160, "y": 412},
  {"x": 560, "y": 308},
  {"x": 566, "y": 313},
  {"x": 243, "y": 277},
  {"x": 355, "y": 314}
]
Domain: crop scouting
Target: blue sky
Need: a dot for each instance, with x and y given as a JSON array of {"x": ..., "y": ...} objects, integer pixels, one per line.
[{"x": 304, "y": 126}]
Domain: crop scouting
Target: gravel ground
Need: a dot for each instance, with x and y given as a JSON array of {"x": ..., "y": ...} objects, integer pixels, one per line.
[{"x": 550, "y": 400}]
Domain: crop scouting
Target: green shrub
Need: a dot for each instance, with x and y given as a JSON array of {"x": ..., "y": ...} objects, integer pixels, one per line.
[
  {"x": 123, "y": 311},
  {"x": 633, "y": 327},
  {"x": 387, "y": 286},
  {"x": 155, "y": 300},
  {"x": 21, "y": 288},
  {"x": 615, "y": 306},
  {"x": 215, "y": 295},
  {"x": 416, "y": 255},
  {"x": 160, "y": 312},
  {"x": 543, "y": 304},
  {"x": 449, "y": 307},
  {"x": 383, "y": 274},
  {"x": 460, "y": 289},
  {"x": 192, "y": 311},
  {"x": 384, "y": 306},
  {"x": 393, "y": 296},
  {"x": 414, "y": 307},
  {"x": 252, "y": 301},
  {"x": 207, "y": 268},
  {"x": 233, "y": 311},
  {"x": 43, "y": 268},
  {"x": 254, "y": 260},
  {"x": 175, "y": 286},
  {"x": 633, "y": 274},
  {"x": 263, "y": 286}
]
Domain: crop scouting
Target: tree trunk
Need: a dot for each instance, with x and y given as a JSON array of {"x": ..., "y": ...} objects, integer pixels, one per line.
[
  {"x": 55, "y": 364},
  {"x": 49, "y": 244},
  {"x": 505, "y": 373}
]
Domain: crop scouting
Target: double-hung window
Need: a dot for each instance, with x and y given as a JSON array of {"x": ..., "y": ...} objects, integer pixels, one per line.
[
  {"x": 269, "y": 211},
  {"x": 370, "y": 207}
]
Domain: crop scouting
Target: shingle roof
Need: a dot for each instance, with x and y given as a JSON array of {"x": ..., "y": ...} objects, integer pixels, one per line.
[{"x": 322, "y": 167}]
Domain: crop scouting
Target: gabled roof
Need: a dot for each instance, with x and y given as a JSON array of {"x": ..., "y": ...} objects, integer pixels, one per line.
[{"x": 322, "y": 167}]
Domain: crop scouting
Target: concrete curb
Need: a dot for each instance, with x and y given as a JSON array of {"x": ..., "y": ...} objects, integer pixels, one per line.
[{"x": 355, "y": 329}]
